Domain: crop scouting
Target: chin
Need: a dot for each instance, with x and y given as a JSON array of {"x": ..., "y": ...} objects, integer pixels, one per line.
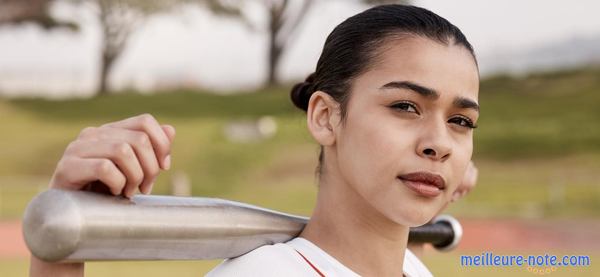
[
  {"x": 413, "y": 217},
  {"x": 416, "y": 222}
]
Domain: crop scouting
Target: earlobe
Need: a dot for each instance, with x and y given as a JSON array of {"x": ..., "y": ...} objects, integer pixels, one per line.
[{"x": 322, "y": 117}]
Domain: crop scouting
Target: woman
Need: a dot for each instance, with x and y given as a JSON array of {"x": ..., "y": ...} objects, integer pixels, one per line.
[{"x": 393, "y": 104}]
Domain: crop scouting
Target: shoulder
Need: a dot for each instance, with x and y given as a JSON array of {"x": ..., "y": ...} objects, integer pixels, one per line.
[{"x": 270, "y": 260}]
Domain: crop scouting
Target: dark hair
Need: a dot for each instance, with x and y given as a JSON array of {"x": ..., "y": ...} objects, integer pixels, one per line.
[{"x": 353, "y": 46}]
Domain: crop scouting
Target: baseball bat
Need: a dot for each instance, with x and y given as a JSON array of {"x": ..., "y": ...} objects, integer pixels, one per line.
[{"x": 64, "y": 225}]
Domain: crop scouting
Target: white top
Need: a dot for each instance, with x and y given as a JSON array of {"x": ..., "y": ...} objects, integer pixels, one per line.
[{"x": 284, "y": 259}]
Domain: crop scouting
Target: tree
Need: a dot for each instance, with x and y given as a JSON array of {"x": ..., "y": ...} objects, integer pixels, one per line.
[
  {"x": 117, "y": 21},
  {"x": 119, "y": 18},
  {"x": 283, "y": 20},
  {"x": 14, "y": 12}
]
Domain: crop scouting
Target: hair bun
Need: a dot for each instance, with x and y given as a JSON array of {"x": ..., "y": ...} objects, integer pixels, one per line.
[{"x": 301, "y": 92}]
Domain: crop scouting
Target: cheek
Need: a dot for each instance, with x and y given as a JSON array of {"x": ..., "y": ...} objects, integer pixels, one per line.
[{"x": 371, "y": 153}]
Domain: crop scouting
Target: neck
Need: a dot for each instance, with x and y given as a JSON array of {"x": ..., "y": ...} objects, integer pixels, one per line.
[{"x": 348, "y": 228}]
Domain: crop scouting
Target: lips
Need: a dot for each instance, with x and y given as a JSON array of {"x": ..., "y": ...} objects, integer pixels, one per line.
[{"x": 424, "y": 183}]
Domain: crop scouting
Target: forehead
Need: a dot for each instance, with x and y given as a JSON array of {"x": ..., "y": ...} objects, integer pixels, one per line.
[{"x": 449, "y": 69}]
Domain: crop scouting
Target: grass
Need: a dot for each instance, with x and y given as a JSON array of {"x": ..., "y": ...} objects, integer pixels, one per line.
[
  {"x": 537, "y": 146},
  {"x": 541, "y": 116},
  {"x": 440, "y": 264},
  {"x": 20, "y": 267},
  {"x": 537, "y": 149}
]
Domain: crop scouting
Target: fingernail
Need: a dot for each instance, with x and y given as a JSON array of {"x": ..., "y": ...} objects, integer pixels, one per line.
[
  {"x": 167, "y": 162},
  {"x": 149, "y": 189},
  {"x": 130, "y": 193}
]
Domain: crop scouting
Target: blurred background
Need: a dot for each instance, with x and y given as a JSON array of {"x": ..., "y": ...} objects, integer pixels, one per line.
[{"x": 220, "y": 72}]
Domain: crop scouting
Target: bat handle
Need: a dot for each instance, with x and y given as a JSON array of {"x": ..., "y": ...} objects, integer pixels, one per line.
[{"x": 444, "y": 232}]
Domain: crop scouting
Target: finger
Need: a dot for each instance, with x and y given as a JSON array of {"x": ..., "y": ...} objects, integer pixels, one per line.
[
  {"x": 146, "y": 156},
  {"x": 145, "y": 153},
  {"x": 146, "y": 187},
  {"x": 455, "y": 196},
  {"x": 75, "y": 173},
  {"x": 148, "y": 124},
  {"x": 169, "y": 131},
  {"x": 119, "y": 152}
]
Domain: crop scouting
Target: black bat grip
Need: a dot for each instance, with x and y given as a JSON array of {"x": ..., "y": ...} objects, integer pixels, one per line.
[{"x": 443, "y": 232}]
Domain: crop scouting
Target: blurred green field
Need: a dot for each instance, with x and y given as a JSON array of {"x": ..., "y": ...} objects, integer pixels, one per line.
[
  {"x": 20, "y": 267},
  {"x": 537, "y": 148}
]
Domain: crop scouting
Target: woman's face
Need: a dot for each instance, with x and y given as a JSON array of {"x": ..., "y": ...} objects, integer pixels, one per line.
[{"x": 408, "y": 128}]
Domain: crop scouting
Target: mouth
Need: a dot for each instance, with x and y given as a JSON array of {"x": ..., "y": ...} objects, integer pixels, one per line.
[{"x": 424, "y": 183}]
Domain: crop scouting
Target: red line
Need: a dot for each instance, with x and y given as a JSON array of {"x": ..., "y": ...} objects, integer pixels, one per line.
[{"x": 311, "y": 265}]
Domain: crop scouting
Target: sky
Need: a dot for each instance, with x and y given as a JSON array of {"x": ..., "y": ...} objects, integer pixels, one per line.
[{"x": 192, "y": 48}]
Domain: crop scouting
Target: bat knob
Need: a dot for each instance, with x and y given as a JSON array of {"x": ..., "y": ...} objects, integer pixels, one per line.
[
  {"x": 52, "y": 226},
  {"x": 456, "y": 229}
]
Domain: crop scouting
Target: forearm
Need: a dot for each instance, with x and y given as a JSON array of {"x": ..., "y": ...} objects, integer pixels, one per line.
[{"x": 38, "y": 267}]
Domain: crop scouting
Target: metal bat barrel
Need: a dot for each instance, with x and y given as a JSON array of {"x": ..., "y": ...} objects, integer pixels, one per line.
[{"x": 62, "y": 225}]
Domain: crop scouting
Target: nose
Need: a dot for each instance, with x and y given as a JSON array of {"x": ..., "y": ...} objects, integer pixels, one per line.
[{"x": 435, "y": 143}]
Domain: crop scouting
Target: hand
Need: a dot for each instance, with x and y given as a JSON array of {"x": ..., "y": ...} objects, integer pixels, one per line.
[
  {"x": 468, "y": 183},
  {"x": 120, "y": 156}
]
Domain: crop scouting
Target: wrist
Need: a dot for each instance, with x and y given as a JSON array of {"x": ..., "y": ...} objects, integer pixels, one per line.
[{"x": 42, "y": 268}]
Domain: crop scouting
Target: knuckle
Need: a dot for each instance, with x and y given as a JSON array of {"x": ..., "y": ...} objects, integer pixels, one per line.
[
  {"x": 153, "y": 170},
  {"x": 71, "y": 147},
  {"x": 87, "y": 132},
  {"x": 103, "y": 167},
  {"x": 142, "y": 139},
  {"x": 147, "y": 119},
  {"x": 121, "y": 149},
  {"x": 121, "y": 181},
  {"x": 118, "y": 182},
  {"x": 137, "y": 178}
]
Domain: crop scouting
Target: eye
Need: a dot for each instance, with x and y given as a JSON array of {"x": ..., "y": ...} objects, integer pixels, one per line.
[
  {"x": 405, "y": 107},
  {"x": 463, "y": 122}
]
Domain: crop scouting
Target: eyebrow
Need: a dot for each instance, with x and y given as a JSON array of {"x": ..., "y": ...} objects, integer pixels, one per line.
[
  {"x": 459, "y": 102},
  {"x": 423, "y": 91},
  {"x": 465, "y": 103}
]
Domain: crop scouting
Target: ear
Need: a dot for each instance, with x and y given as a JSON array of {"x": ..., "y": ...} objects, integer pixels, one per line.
[{"x": 323, "y": 117}]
